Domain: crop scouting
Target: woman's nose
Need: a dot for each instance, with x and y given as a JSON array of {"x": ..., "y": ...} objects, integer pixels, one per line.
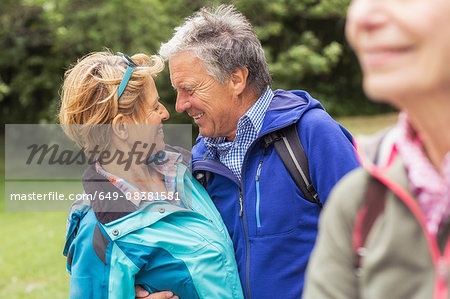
[
  {"x": 367, "y": 14},
  {"x": 164, "y": 113}
]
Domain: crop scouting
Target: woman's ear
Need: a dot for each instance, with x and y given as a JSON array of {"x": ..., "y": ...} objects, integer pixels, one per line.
[
  {"x": 239, "y": 79},
  {"x": 119, "y": 127}
]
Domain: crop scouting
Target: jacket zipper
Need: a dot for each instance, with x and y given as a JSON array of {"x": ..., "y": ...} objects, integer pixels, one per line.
[
  {"x": 258, "y": 196},
  {"x": 242, "y": 211}
]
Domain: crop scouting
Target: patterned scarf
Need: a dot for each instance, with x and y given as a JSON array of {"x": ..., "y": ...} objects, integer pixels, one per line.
[{"x": 431, "y": 187}]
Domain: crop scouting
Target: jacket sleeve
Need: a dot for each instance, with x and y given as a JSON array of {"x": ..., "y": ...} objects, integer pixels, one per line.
[
  {"x": 114, "y": 281},
  {"x": 329, "y": 149},
  {"x": 331, "y": 272},
  {"x": 122, "y": 274},
  {"x": 98, "y": 267}
]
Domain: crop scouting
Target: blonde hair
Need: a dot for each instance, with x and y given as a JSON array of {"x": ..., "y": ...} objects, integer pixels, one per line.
[{"x": 90, "y": 90}]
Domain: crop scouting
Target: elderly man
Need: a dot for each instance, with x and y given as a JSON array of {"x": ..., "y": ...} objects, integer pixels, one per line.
[{"x": 218, "y": 67}]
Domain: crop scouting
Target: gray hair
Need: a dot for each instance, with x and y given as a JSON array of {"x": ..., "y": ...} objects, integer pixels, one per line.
[{"x": 223, "y": 40}]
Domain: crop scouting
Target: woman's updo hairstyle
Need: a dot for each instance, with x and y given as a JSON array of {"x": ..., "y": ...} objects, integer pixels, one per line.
[{"x": 89, "y": 96}]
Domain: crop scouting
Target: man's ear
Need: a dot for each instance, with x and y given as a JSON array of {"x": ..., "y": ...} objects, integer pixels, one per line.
[
  {"x": 239, "y": 79},
  {"x": 119, "y": 127}
]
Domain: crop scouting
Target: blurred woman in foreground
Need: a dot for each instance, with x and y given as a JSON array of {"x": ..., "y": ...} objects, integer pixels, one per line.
[{"x": 385, "y": 230}]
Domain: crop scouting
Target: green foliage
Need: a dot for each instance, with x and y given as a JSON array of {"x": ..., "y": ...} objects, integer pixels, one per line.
[
  {"x": 27, "y": 76},
  {"x": 306, "y": 49},
  {"x": 330, "y": 8},
  {"x": 40, "y": 39},
  {"x": 304, "y": 59}
]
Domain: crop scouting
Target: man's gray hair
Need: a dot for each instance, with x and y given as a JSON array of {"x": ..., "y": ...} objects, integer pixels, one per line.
[{"x": 223, "y": 40}]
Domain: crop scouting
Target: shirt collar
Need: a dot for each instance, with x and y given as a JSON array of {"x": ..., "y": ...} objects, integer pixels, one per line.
[
  {"x": 258, "y": 110},
  {"x": 253, "y": 118},
  {"x": 167, "y": 169}
]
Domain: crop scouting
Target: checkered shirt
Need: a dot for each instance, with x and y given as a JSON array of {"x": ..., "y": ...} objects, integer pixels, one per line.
[
  {"x": 168, "y": 170},
  {"x": 231, "y": 154}
]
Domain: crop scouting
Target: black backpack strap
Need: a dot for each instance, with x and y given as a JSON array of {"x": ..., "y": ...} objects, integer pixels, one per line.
[
  {"x": 202, "y": 176},
  {"x": 290, "y": 150},
  {"x": 373, "y": 206}
]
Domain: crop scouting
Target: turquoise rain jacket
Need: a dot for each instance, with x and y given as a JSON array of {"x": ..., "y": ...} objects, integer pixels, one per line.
[{"x": 113, "y": 245}]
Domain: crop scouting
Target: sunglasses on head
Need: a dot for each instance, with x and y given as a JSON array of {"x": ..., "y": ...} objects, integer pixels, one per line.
[{"x": 126, "y": 77}]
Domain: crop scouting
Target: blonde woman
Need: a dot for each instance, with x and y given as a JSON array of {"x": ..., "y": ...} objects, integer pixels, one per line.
[{"x": 147, "y": 222}]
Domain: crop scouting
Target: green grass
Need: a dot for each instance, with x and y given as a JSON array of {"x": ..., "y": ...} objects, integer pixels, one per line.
[
  {"x": 31, "y": 260},
  {"x": 31, "y": 244},
  {"x": 367, "y": 125}
]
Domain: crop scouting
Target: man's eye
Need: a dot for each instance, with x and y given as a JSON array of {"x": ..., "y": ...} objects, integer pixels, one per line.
[{"x": 189, "y": 91}]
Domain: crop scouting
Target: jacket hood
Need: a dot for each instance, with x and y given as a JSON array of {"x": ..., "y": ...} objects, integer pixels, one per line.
[{"x": 286, "y": 107}]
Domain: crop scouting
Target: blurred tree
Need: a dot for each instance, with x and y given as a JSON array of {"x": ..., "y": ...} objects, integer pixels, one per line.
[
  {"x": 306, "y": 49},
  {"x": 39, "y": 39},
  {"x": 129, "y": 27},
  {"x": 28, "y": 72}
]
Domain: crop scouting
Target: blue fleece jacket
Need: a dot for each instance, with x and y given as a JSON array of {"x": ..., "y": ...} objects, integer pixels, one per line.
[{"x": 272, "y": 226}]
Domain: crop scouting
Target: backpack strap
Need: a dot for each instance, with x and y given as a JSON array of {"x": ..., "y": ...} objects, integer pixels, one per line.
[
  {"x": 375, "y": 197},
  {"x": 202, "y": 176},
  {"x": 290, "y": 150},
  {"x": 373, "y": 206}
]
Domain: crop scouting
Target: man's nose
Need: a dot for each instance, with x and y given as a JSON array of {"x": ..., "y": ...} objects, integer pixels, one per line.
[{"x": 182, "y": 103}]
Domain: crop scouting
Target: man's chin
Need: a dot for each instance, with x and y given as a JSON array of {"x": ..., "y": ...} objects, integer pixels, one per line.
[{"x": 205, "y": 133}]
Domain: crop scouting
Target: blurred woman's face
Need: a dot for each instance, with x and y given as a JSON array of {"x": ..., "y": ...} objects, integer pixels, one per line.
[{"x": 403, "y": 46}]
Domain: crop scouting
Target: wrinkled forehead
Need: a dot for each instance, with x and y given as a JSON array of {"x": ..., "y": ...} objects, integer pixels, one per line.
[{"x": 186, "y": 68}]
